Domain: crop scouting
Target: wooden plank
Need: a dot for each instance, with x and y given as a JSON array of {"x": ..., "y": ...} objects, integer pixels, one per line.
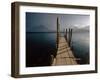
[
  {"x": 68, "y": 61},
  {"x": 54, "y": 62},
  {"x": 64, "y": 54}
]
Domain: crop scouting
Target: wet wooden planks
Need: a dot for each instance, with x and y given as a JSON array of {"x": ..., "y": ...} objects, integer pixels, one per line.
[{"x": 64, "y": 54}]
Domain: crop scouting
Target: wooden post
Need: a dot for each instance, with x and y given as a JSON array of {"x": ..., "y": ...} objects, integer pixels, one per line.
[
  {"x": 66, "y": 35},
  {"x": 57, "y": 31},
  {"x": 71, "y": 38}
]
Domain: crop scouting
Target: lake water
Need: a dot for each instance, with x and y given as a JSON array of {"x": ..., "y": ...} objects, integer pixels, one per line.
[
  {"x": 39, "y": 47},
  {"x": 80, "y": 46}
]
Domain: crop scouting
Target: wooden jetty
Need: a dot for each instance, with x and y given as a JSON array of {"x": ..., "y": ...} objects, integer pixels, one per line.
[{"x": 64, "y": 56}]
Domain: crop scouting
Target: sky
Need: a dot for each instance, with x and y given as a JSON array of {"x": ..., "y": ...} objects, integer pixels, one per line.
[{"x": 47, "y": 22}]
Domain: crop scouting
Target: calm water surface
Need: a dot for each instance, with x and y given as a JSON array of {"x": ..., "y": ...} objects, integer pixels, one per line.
[
  {"x": 80, "y": 46},
  {"x": 39, "y": 47}
]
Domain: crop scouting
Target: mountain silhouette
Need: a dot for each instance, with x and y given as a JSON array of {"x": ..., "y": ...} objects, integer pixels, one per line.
[
  {"x": 40, "y": 28},
  {"x": 81, "y": 29}
]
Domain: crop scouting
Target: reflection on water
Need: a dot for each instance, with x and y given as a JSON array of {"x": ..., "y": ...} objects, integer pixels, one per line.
[
  {"x": 39, "y": 48},
  {"x": 80, "y": 46}
]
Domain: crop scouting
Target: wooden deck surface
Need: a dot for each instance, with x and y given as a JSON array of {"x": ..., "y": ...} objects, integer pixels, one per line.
[{"x": 64, "y": 54}]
